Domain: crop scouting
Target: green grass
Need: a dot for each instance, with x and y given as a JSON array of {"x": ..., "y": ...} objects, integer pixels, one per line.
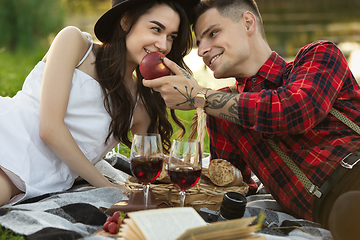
[
  {"x": 15, "y": 66},
  {"x": 6, "y": 234}
]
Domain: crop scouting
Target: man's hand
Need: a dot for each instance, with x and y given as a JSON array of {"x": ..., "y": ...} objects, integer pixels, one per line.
[{"x": 178, "y": 90}]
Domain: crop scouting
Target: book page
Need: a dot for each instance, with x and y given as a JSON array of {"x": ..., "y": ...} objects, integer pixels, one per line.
[
  {"x": 231, "y": 229},
  {"x": 129, "y": 230},
  {"x": 166, "y": 223}
]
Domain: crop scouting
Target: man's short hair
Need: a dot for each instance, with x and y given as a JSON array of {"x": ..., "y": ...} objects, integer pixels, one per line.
[{"x": 233, "y": 9}]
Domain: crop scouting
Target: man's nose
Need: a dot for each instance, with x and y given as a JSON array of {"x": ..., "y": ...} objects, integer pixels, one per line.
[{"x": 203, "y": 49}]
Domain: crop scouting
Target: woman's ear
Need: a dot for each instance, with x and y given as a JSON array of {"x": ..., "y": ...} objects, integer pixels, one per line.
[{"x": 124, "y": 22}]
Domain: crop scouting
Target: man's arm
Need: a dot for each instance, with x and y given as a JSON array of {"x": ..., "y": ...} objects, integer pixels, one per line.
[
  {"x": 179, "y": 92},
  {"x": 223, "y": 105}
]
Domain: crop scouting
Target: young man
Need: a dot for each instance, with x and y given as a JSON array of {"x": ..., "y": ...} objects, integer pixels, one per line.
[{"x": 275, "y": 105}]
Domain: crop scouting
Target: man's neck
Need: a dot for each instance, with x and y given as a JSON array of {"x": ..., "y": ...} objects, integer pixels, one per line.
[{"x": 261, "y": 52}]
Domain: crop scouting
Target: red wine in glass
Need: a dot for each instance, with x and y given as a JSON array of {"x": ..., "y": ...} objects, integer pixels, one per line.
[
  {"x": 146, "y": 160},
  {"x": 185, "y": 163},
  {"x": 184, "y": 177},
  {"x": 146, "y": 169}
]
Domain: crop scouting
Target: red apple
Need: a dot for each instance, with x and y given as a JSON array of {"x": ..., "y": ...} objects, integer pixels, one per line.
[{"x": 152, "y": 66}]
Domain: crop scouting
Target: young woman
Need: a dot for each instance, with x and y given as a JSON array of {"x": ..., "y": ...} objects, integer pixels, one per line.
[{"x": 84, "y": 98}]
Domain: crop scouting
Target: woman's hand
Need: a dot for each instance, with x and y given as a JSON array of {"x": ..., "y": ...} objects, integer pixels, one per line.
[{"x": 121, "y": 187}]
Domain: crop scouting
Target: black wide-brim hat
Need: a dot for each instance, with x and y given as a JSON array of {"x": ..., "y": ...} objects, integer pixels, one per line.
[{"x": 105, "y": 24}]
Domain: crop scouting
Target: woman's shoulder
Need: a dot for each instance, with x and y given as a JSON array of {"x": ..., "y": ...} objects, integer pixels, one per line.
[
  {"x": 71, "y": 34},
  {"x": 72, "y": 39}
]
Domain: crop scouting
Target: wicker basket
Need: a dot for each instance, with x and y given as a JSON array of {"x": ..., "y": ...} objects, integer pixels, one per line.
[{"x": 203, "y": 194}]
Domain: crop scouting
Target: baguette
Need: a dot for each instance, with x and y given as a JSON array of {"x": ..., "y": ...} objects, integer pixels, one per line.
[
  {"x": 164, "y": 177},
  {"x": 224, "y": 174}
]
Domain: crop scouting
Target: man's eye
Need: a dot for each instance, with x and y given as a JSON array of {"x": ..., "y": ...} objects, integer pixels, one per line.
[{"x": 213, "y": 33}]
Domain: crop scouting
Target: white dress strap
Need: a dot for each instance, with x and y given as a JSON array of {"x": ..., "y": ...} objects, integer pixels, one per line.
[{"x": 91, "y": 43}]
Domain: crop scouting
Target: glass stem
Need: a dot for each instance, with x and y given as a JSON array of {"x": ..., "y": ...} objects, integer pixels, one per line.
[
  {"x": 182, "y": 198},
  {"x": 146, "y": 195}
]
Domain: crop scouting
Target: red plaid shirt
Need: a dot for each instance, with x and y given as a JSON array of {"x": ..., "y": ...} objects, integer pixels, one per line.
[{"x": 289, "y": 102}]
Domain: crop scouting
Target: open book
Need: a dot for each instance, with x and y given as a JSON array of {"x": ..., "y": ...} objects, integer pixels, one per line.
[{"x": 183, "y": 224}]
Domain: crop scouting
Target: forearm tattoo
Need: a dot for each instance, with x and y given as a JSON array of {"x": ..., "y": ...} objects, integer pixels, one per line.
[{"x": 220, "y": 100}]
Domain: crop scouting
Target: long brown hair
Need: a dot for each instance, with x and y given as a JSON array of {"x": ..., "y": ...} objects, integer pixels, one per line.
[{"x": 111, "y": 64}]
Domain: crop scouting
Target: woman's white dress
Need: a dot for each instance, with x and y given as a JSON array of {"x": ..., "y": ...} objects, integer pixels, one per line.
[{"x": 27, "y": 160}]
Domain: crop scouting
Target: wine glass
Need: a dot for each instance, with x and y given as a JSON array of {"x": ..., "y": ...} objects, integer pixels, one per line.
[
  {"x": 146, "y": 160},
  {"x": 185, "y": 165}
]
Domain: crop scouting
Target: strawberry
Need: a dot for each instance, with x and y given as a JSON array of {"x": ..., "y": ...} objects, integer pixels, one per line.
[
  {"x": 113, "y": 227},
  {"x": 106, "y": 226},
  {"x": 115, "y": 216},
  {"x": 113, "y": 223}
]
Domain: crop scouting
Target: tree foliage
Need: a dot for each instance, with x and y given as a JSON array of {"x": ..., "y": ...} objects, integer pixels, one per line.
[{"x": 24, "y": 22}]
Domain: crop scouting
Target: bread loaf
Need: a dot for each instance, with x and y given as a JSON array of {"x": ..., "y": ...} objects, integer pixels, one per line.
[
  {"x": 222, "y": 173},
  {"x": 164, "y": 177}
]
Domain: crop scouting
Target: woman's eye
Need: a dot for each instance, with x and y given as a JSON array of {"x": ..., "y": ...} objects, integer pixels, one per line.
[
  {"x": 172, "y": 37},
  {"x": 156, "y": 29}
]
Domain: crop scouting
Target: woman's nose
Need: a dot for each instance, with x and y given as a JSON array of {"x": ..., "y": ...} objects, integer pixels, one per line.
[{"x": 161, "y": 44}]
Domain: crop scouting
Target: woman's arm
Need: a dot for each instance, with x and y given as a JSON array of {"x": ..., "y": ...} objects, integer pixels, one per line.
[
  {"x": 64, "y": 54},
  {"x": 141, "y": 119}
]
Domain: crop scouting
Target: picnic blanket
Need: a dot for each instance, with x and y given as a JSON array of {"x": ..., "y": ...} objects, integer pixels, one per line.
[{"x": 75, "y": 214}]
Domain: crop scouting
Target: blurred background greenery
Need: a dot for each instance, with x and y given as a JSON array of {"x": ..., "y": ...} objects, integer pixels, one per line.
[
  {"x": 27, "y": 28},
  {"x": 290, "y": 24}
]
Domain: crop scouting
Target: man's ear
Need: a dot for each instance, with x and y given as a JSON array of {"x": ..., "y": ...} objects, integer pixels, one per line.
[
  {"x": 249, "y": 21},
  {"x": 125, "y": 22}
]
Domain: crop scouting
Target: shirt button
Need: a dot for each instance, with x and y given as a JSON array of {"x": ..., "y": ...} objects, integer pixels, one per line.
[{"x": 253, "y": 79}]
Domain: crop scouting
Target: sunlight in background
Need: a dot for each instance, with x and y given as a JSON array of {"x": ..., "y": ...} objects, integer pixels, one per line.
[
  {"x": 352, "y": 52},
  {"x": 354, "y": 63},
  {"x": 203, "y": 74}
]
